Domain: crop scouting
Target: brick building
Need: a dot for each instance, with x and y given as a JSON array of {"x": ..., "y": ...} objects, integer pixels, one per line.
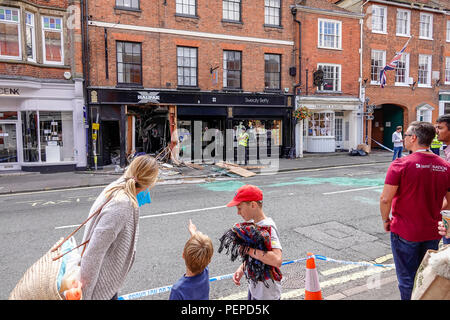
[
  {"x": 190, "y": 65},
  {"x": 41, "y": 86},
  {"x": 329, "y": 38},
  {"x": 418, "y": 89}
]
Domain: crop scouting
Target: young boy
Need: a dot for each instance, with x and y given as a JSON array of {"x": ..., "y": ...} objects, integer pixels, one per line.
[
  {"x": 197, "y": 254},
  {"x": 248, "y": 200}
]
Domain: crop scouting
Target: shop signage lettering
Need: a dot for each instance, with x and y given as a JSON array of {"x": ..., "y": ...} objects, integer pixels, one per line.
[
  {"x": 9, "y": 92},
  {"x": 145, "y": 97},
  {"x": 257, "y": 100}
]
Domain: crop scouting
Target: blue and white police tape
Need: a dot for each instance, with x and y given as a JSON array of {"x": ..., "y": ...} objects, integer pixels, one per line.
[
  {"x": 150, "y": 292},
  {"x": 383, "y": 146}
]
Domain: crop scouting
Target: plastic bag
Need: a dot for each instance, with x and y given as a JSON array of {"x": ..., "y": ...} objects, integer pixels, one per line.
[{"x": 70, "y": 267}]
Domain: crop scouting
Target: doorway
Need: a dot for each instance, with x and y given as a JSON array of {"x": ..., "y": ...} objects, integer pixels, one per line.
[
  {"x": 386, "y": 119},
  {"x": 111, "y": 142},
  {"x": 8, "y": 146}
]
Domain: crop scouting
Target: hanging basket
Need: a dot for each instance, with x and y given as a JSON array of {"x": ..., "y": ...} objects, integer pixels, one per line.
[{"x": 301, "y": 113}]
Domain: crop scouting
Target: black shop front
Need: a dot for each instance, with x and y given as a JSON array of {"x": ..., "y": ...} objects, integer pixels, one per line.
[{"x": 145, "y": 121}]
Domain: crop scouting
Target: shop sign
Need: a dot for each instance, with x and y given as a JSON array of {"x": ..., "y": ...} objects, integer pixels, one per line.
[
  {"x": 9, "y": 92},
  {"x": 146, "y": 97}
]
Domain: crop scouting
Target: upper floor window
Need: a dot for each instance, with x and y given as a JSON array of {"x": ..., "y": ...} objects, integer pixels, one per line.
[
  {"x": 379, "y": 19},
  {"x": 272, "y": 71},
  {"x": 331, "y": 77},
  {"x": 187, "y": 66},
  {"x": 426, "y": 26},
  {"x": 129, "y": 63},
  {"x": 447, "y": 70},
  {"x": 52, "y": 37},
  {"x": 231, "y": 10},
  {"x": 424, "y": 70},
  {"x": 232, "y": 69},
  {"x": 127, "y": 4},
  {"x": 272, "y": 10},
  {"x": 448, "y": 30},
  {"x": 402, "y": 70},
  {"x": 378, "y": 61},
  {"x": 403, "y": 22},
  {"x": 186, "y": 7},
  {"x": 10, "y": 44},
  {"x": 330, "y": 34},
  {"x": 30, "y": 37}
]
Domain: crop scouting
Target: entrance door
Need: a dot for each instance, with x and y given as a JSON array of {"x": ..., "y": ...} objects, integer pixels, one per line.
[
  {"x": 392, "y": 117},
  {"x": 339, "y": 130},
  {"x": 8, "y": 146}
]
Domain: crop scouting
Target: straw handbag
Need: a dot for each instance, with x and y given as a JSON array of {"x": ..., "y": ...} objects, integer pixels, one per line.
[{"x": 40, "y": 281}]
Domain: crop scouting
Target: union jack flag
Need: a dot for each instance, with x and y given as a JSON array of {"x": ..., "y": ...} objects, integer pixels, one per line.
[{"x": 392, "y": 65}]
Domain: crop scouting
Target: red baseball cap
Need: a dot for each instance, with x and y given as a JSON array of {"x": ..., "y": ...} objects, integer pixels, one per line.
[{"x": 247, "y": 192}]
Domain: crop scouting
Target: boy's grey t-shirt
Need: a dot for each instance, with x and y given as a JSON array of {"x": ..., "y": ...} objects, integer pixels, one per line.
[{"x": 260, "y": 292}]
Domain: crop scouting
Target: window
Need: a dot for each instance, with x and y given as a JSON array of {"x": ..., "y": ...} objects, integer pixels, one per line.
[
  {"x": 424, "y": 70},
  {"x": 10, "y": 45},
  {"x": 426, "y": 26},
  {"x": 30, "y": 37},
  {"x": 232, "y": 69},
  {"x": 187, "y": 66},
  {"x": 126, "y": 4},
  {"x": 186, "y": 7},
  {"x": 403, "y": 22},
  {"x": 448, "y": 30},
  {"x": 402, "y": 70},
  {"x": 272, "y": 71},
  {"x": 52, "y": 37},
  {"x": 447, "y": 70},
  {"x": 129, "y": 63},
  {"x": 378, "y": 61},
  {"x": 231, "y": 10},
  {"x": 379, "y": 18},
  {"x": 331, "y": 77},
  {"x": 272, "y": 11},
  {"x": 321, "y": 124},
  {"x": 424, "y": 113},
  {"x": 330, "y": 34}
]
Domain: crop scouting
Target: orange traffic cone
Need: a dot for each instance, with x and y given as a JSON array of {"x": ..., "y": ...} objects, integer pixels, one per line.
[{"x": 312, "y": 286}]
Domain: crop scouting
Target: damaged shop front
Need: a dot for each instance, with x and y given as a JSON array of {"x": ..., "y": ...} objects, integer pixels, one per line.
[{"x": 127, "y": 122}]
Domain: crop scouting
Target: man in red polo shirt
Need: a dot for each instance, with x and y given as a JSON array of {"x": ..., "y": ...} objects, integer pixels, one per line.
[{"x": 414, "y": 189}]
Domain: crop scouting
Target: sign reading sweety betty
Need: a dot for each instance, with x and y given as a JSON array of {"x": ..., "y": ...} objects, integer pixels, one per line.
[{"x": 9, "y": 92}]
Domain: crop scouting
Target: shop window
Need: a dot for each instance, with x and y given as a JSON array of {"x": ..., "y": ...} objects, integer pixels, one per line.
[
  {"x": 187, "y": 66},
  {"x": 231, "y": 10},
  {"x": 8, "y": 143},
  {"x": 127, "y": 4},
  {"x": 52, "y": 36},
  {"x": 10, "y": 46},
  {"x": 30, "y": 37},
  {"x": 272, "y": 71},
  {"x": 321, "y": 124},
  {"x": 56, "y": 136},
  {"x": 30, "y": 136},
  {"x": 232, "y": 69},
  {"x": 129, "y": 63},
  {"x": 272, "y": 10},
  {"x": 261, "y": 132},
  {"x": 8, "y": 115},
  {"x": 186, "y": 7}
]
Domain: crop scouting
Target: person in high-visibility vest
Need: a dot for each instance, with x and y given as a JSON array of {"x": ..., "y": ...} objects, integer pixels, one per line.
[
  {"x": 243, "y": 143},
  {"x": 436, "y": 145}
]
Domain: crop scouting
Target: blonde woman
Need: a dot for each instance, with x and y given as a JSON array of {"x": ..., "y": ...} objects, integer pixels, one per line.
[{"x": 113, "y": 233}]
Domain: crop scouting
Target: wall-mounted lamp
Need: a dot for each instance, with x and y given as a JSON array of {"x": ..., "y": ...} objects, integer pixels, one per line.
[
  {"x": 413, "y": 85},
  {"x": 211, "y": 70},
  {"x": 437, "y": 83},
  {"x": 364, "y": 83}
]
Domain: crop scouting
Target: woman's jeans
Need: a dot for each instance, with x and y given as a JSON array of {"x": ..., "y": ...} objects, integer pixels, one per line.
[
  {"x": 397, "y": 152},
  {"x": 407, "y": 258}
]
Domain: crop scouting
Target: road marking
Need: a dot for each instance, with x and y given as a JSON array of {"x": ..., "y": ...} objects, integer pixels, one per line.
[
  {"x": 159, "y": 215},
  {"x": 47, "y": 191},
  {"x": 351, "y": 190},
  {"x": 324, "y": 284}
]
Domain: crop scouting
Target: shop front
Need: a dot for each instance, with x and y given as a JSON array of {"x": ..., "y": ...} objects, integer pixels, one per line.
[
  {"x": 332, "y": 126},
  {"x": 208, "y": 123},
  {"x": 41, "y": 126}
]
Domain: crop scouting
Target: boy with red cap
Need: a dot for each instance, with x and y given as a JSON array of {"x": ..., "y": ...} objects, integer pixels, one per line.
[{"x": 248, "y": 201}]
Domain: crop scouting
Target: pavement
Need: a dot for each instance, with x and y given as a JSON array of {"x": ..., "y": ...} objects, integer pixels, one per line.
[{"x": 19, "y": 181}]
